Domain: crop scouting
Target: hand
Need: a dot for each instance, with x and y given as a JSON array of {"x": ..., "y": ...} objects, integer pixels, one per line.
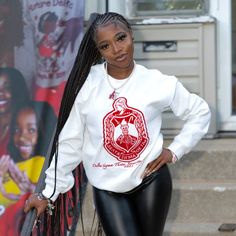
[
  {"x": 25, "y": 185},
  {"x": 4, "y": 167},
  {"x": 165, "y": 157},
  {"x": 4, "y": 164},
  {"x": 72, "y": 29},
  {"x": 35, "y": 202},
  {"x": 20, "y": 178}
]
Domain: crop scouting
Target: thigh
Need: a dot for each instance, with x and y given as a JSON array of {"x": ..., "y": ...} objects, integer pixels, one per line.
[
  {"x": 115, "y": 213},
  {"x": 152, "y": 203}
]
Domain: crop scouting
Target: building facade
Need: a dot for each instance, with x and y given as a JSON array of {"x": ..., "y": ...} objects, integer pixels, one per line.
[{"x": 193, "y": 40}]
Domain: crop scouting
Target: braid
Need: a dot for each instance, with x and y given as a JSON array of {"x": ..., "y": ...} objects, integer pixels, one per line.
[
  {"x": 88, "y": 55},
  {"x": 77, "y": 77},
  {"x": 110, "y": 17},
  {"x": 82, "y": 66}
]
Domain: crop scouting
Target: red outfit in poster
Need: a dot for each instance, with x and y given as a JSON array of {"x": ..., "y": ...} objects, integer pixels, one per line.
[
  {"x": 13, "y": 217},
  {"x": 51, "y": 95}
]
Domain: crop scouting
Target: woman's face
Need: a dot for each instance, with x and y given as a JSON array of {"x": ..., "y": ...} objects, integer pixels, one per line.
[
  {"x": 115, "y": 43},
  {"x": 5, "y": 94},
  {"x": 26, "y": 132}
]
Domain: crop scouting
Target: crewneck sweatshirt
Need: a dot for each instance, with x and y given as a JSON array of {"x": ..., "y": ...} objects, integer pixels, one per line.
[{"x": 117, "y": 138}]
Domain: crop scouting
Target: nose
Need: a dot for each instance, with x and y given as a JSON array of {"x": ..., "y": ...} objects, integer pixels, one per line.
[
  {"x": 23, "y": 136},
  {"x": 2, "y": 91},
  {"x": 115, "y": 48}
]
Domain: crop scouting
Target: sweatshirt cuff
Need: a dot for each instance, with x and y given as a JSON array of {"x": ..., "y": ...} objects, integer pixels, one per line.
[
  {"x": 47, "y": 192},
  {"x": 177, "y": 149}
]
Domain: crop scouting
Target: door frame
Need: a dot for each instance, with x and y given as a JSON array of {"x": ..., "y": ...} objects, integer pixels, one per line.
[{"x": 221, "y": 10}]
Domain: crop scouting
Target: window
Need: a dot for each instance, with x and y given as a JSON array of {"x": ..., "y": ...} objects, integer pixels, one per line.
[{"x": 170, "y": 7}]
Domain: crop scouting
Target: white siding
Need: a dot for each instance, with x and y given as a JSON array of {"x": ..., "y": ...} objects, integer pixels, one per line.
[{"x": 193, "y": 62}]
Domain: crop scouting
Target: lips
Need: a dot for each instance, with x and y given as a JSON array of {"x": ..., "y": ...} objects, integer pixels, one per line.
[
  {"x": 121, "y": 57},
  {"x": 3, "y": 102},
  {"x": 25, "y": 148}
]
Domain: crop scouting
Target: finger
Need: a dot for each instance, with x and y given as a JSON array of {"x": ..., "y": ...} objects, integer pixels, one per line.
[
  {"x": 149, "y": 170},
  {"x": 152, "y": 167},
  {"x": 40, "y": 210},
  {"x": 155, "y": 166},
  {"x": 160, "y": 165},
  {"x": 36, "y": 223},
  {"x": 27, "y": 207},
  {"x": 4, "y": 160},
  {"x": 144, "y": 174}
]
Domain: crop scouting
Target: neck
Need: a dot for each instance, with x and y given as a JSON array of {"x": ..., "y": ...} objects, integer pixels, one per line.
[{"x": 120, "y": 73}]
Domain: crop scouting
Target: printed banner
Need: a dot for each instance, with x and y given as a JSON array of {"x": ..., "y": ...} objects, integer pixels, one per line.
[{"x": 39, "y": 42}]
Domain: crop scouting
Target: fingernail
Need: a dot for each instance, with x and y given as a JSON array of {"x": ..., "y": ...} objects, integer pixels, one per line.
[{"x": 35, "y": 222}]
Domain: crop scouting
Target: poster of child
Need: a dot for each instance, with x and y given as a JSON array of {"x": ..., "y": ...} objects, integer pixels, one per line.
[{"x": 19, "y": 171}]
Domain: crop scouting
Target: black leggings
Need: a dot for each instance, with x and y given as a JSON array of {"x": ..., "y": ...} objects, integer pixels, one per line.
[{"x": 139, "y": 212}]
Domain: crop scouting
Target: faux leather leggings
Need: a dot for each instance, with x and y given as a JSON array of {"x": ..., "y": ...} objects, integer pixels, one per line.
[{"x": 139, "y": 212}]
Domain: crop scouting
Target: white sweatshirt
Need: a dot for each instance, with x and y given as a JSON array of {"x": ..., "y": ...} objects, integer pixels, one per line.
[{"x": 116, "y": 139}]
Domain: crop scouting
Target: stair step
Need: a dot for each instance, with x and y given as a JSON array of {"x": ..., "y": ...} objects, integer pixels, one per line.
[
  {"x": 195, "y": 229},
  {"x": 209, "y": 160},
  {"x": 196, "y": 202},
  {"x": 206, "y": 165}
]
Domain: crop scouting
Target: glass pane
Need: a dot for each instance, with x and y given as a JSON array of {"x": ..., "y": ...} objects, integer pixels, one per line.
[
  {"x": 233, "y": 57},
  {"x": 169, "y": 6}
]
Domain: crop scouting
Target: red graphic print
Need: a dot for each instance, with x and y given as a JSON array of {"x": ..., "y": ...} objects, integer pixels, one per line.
[{"x": 124, "y": 130}]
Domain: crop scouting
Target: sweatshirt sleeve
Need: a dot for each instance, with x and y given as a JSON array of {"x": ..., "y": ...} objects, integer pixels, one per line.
[
  {"x": 196, "y": 114},
  {"x": 69, "y": 155}
]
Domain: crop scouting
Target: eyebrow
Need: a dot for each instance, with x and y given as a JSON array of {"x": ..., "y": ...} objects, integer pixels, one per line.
[{"x": 117, "y": 34}]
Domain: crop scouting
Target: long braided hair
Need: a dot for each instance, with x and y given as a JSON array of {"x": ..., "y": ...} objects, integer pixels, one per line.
[{"x": 88, "y": 55}]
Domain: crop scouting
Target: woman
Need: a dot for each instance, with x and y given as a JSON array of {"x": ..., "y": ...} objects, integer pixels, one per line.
[
  {"x": 107, "y": 122},
  {"x": 13, "y": 93}
]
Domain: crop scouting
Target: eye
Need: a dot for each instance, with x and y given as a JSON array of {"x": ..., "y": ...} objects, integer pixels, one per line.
[
  {"x": 7, "y": 87},
  {"x": 32, "y": 130},
  {"x": 103, "y": 46},
  {"x": 121, "y": 37},
  {"x": 16, "y": 130}
]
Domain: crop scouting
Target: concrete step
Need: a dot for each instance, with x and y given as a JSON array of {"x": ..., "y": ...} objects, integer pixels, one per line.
[
  {"x": 204, "y": 196},
  {"x": 195, "y": 229},
  {"x": 209, "y": 160},
  {"x": 198, "y": 202}
]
